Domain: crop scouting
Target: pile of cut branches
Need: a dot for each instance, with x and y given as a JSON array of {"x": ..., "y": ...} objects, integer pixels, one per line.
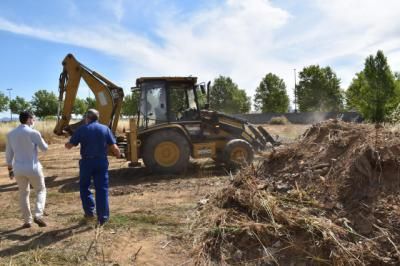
[{"x": 331, "y": 198}]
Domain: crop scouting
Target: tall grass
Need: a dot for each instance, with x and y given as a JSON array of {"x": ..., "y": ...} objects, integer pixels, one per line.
[
  {"x": 279, "y": 120},
  {"x": 45, "y": 127}
]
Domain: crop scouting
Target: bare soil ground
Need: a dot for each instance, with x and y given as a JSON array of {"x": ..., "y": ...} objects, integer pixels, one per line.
[{"x": 150, "y": 214}]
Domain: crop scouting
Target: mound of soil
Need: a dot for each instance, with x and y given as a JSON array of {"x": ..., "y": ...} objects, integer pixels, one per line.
[{"x": 330, "y": 198}]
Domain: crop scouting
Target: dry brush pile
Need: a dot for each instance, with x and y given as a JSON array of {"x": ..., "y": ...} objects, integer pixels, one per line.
[{"x": 332, "y": 198}]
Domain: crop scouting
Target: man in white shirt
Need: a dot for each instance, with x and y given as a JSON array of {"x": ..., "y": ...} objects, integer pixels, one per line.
[{"x": 22, "y": 160}]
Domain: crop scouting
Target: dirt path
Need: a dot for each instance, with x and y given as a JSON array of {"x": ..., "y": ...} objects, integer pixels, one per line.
[{"x": 149, "y": 216}]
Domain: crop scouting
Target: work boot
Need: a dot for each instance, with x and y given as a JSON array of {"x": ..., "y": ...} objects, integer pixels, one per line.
[
  {"x": 26, "y": 225},
  {"x": 40, "y": 222},
  {"x": 101, "y": 223},
  {"x": 89, "y": 217}
]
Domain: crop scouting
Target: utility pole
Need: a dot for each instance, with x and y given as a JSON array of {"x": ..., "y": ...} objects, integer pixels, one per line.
[
  {"x": 295, "y": 92},
  {"x": 9, "y": 93}
]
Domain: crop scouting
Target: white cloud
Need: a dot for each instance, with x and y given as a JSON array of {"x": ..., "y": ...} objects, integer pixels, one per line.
[
  {"x": 352, "y": 29},
  {"x": 116, "y": 7},
  {"x": 241, "y": 39}
]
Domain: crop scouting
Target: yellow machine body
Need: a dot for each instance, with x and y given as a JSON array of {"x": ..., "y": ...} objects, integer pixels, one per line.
[
  {"x": 108, "y": 95},
  {"x": 172, "y": 123}
]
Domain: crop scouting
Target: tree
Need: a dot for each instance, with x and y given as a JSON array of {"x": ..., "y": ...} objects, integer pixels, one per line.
[
  {"x": 19, "y": 104},
  {"x": 80, "y": 106},
  {"x": 243, "y": 101},
  {"x": 373, "y": 91},
  {"x": 226, "y": 96},
  {"x": 90, "y": 102},
  {"x": 3, "y": 102},
  {"x": 396, "y": 76},
  {"x": 130, "y": 104},
  {"x": 44, "y": 103},
  {"x": 353, "y": 93},
  {"x": 271, "y": 95},
  {"x": 319, "y": 90}
]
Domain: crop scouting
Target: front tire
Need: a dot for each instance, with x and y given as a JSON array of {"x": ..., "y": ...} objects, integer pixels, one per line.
[
  {"x": 238, "y": 153},
  {"x": 166, "y": 152}
]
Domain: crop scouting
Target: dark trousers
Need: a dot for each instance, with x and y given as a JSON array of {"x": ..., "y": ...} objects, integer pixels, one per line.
[{"x": 98, "y": 169}]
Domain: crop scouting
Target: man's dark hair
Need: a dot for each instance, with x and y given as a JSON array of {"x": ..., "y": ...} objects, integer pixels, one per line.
[{"x": 24, "y": 116}]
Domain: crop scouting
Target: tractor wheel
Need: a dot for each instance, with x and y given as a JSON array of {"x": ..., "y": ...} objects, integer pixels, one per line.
[
  {"x": 166, "y": 152},
  {"x": 238, "y": 153}
]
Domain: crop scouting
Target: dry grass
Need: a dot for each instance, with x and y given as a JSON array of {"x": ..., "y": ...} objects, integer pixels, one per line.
[
  {"x": 289, "y": 132},
  {"x": 44, "y": 127},
  {"x": 280, "y": 120},
  {"x": 326, "y": 199},
  {"x": 245, "y": 225}
]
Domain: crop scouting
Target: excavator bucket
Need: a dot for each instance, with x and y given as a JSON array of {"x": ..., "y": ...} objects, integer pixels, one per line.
[{"x": 268, "y": 136}]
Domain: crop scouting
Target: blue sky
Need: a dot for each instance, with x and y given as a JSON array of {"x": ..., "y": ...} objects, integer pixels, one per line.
[{"x": 245, "y": 40}]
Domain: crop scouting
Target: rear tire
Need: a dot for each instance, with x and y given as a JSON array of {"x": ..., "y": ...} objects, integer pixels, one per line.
[
  {"x": 238, "y": 153},
  {"x": 166, "y": 152}
]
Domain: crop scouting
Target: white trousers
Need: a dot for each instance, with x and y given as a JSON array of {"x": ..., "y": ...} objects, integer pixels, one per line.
[{"x": 39, "y": 186}]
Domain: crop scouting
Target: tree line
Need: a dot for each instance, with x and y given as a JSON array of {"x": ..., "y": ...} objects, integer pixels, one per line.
[
  {"x": 43, "y": 103},
  {"x": 374, "y": 92}
]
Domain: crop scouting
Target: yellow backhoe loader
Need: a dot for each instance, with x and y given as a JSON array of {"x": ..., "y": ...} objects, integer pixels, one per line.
[{"x": 173, "y": 122}]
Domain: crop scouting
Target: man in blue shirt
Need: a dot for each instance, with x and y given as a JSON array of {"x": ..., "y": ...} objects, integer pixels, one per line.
[{"x": 94, "y": 139}]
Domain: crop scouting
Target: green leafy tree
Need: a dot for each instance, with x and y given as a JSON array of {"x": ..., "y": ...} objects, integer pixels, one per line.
[
  {"x": 226, "y": 96},
  {"x": 243, "y": 101},
  {"x": 397, "y": 76},
  {"x": 19, "y": 104},
  {"x": 354, "y": 99},
  {"x": 90, "y": 102},
  {"x": 130, "y": 104},
  {"x": 374, "y": 91},
  {"x": 80, "y": 106},
  {"x": 44, "y": 103},
  {"x": 319, "y": 90},
  {"x": 3, "y": 102},
  {"x": 271, "y": 95}
]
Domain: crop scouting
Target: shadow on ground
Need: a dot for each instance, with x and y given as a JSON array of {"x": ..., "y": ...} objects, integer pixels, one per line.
[
  {"x": 51, "y": 181},
  {"x": 129, "y": 176},
  {"x": 141, "y": 175},
  {"x": 39, "y": 240}
]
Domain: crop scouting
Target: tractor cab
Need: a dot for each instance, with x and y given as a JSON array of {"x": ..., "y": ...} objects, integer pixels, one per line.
[{"x": 169, "y": 100}]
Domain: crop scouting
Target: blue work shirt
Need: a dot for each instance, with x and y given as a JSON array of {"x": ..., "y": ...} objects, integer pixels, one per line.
[{"x": 94, "y": 139}]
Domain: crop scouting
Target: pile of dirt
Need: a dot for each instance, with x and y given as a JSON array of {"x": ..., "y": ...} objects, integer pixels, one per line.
[{"x": 330, "y": 198}]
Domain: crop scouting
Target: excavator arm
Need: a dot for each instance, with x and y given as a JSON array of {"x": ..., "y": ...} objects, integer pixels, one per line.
[{"x": 108, "y": 96}]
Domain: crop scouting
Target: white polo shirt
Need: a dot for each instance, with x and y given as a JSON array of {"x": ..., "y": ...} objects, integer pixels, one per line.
[{"x": 22, "y": 150}]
